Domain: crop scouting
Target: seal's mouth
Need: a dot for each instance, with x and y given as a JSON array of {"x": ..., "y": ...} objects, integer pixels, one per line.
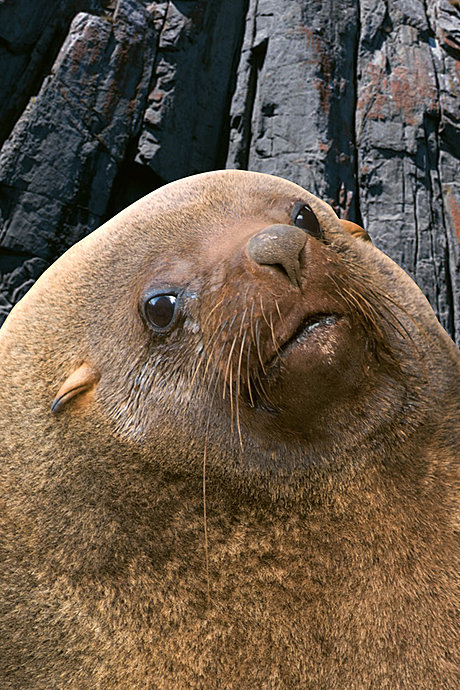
[{"x": 313, "y": 326}]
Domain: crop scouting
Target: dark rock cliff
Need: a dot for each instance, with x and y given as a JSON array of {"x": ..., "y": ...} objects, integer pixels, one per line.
[{"x": 357, "y": 100}]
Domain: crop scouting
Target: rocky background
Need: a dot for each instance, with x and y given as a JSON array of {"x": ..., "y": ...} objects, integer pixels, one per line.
[{"x": 356, "y": 100}]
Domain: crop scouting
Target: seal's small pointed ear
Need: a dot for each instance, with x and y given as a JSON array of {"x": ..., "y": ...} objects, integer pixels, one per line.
[
  {"x": 355, "y": 230},
  {"x": 80, "y": 381}
]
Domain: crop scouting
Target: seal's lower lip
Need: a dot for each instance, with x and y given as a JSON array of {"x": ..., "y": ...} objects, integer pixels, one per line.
[{"x": 312, "y": 325}]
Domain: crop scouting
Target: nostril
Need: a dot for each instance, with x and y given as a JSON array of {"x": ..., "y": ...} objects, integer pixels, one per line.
[
  {"x": 281, "y": 269},
  {"x": 279, "y": 246}
]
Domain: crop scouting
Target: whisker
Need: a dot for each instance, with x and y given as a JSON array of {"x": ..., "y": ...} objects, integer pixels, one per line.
[
  {"x": 249, "y": 374},
  {"x": 258, "y": 347},
  {"x": 279, "y": 313},
  {"x": 372, "y": 315},
  {"x": 216, "y": 371},
  {"x": 262, "y": 311},
  {"x": 206, "y": 321},
  {"x": 205, "y": 456},
  {"x": 205, "y": 524},
  {"x": 366, "y": 279},
  {"x": 242, "y": 320},
  {"x": 225, "y": 324},
  {"x": 203, "y": 358},
  {"x": 230, "y": 387},
  {"x": 275, "y": 344},
  {"x": 238, "y": 379}
]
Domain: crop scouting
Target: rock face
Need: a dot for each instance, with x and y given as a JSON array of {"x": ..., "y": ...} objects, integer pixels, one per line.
[
  {"x": 356, "y": 101},
  {"x": 58, "y": 166},
  {"x": 407, "y": 136}
]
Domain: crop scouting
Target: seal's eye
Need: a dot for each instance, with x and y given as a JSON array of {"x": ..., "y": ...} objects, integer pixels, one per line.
[
  {"x": 303, "y": 217},
  {"x": 160, "y": 311}
]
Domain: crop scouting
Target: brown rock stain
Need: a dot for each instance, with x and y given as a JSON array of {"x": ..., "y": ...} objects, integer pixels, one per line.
[
  {"x": 324, "y": 63},
  {"x": 413, "y": 92},
  {"x": 373, "y": 100},
  {"x": 453, "y": 207},
  {"x": 407, "y": 93}
]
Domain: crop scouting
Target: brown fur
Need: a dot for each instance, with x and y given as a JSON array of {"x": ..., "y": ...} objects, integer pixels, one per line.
[{"x": 202, "y": 512}]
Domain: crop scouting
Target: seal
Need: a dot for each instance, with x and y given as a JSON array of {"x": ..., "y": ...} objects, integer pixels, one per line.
[{"x": 229, "y": 428}]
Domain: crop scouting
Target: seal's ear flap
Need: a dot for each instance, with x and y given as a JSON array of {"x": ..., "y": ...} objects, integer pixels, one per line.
[
  {"x": 355, "y": 230},
  {"x": 80, "y": 381}
]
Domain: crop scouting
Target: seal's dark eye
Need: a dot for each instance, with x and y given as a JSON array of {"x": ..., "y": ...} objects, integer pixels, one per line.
[
  {"x": 303, "y": 217},
  {"x": 160, "y": 311}
]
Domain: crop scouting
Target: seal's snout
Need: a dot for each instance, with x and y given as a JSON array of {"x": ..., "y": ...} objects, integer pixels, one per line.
[{"x": 279, "y": 246}]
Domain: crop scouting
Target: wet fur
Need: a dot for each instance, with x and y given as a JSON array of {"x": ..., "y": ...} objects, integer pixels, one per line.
[{"x": 159, "y": 535}]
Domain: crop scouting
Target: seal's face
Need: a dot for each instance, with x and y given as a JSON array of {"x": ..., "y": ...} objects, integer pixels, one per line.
[
  {"x": 276, "y": 332},
  {"x": 242, "y": 319},
  {"x": 237, "y": 309}
]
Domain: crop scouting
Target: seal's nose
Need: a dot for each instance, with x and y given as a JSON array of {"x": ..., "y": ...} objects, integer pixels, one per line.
[{"x": 280, "y": 246}]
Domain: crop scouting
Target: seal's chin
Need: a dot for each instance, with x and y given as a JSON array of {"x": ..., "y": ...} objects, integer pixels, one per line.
[
  {"x": 318, "y": 366},
  {"x": 305, "y": 362}
]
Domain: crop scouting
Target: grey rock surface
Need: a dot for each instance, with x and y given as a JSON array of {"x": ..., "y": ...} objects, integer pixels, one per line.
[
  {"x": 58, "y": 166},
  {"x": 407, "y": 137},
  {"x": 356, "y": 101},
  {"x": 16, "y": 282},
  {"x": 184, "y": 123},
  {"x": 31, "y": 34},
  {"x": 292, "y": 113}
]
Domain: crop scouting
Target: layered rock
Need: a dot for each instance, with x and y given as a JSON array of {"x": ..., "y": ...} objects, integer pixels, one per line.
[
  {"x": 184, "y": 128},
  {"x": 31, "y": 34},
  {"x": 292, "y": 112}
]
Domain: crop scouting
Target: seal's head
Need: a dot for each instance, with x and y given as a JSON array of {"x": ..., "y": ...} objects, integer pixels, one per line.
[{"x": 230, "y": 314}]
